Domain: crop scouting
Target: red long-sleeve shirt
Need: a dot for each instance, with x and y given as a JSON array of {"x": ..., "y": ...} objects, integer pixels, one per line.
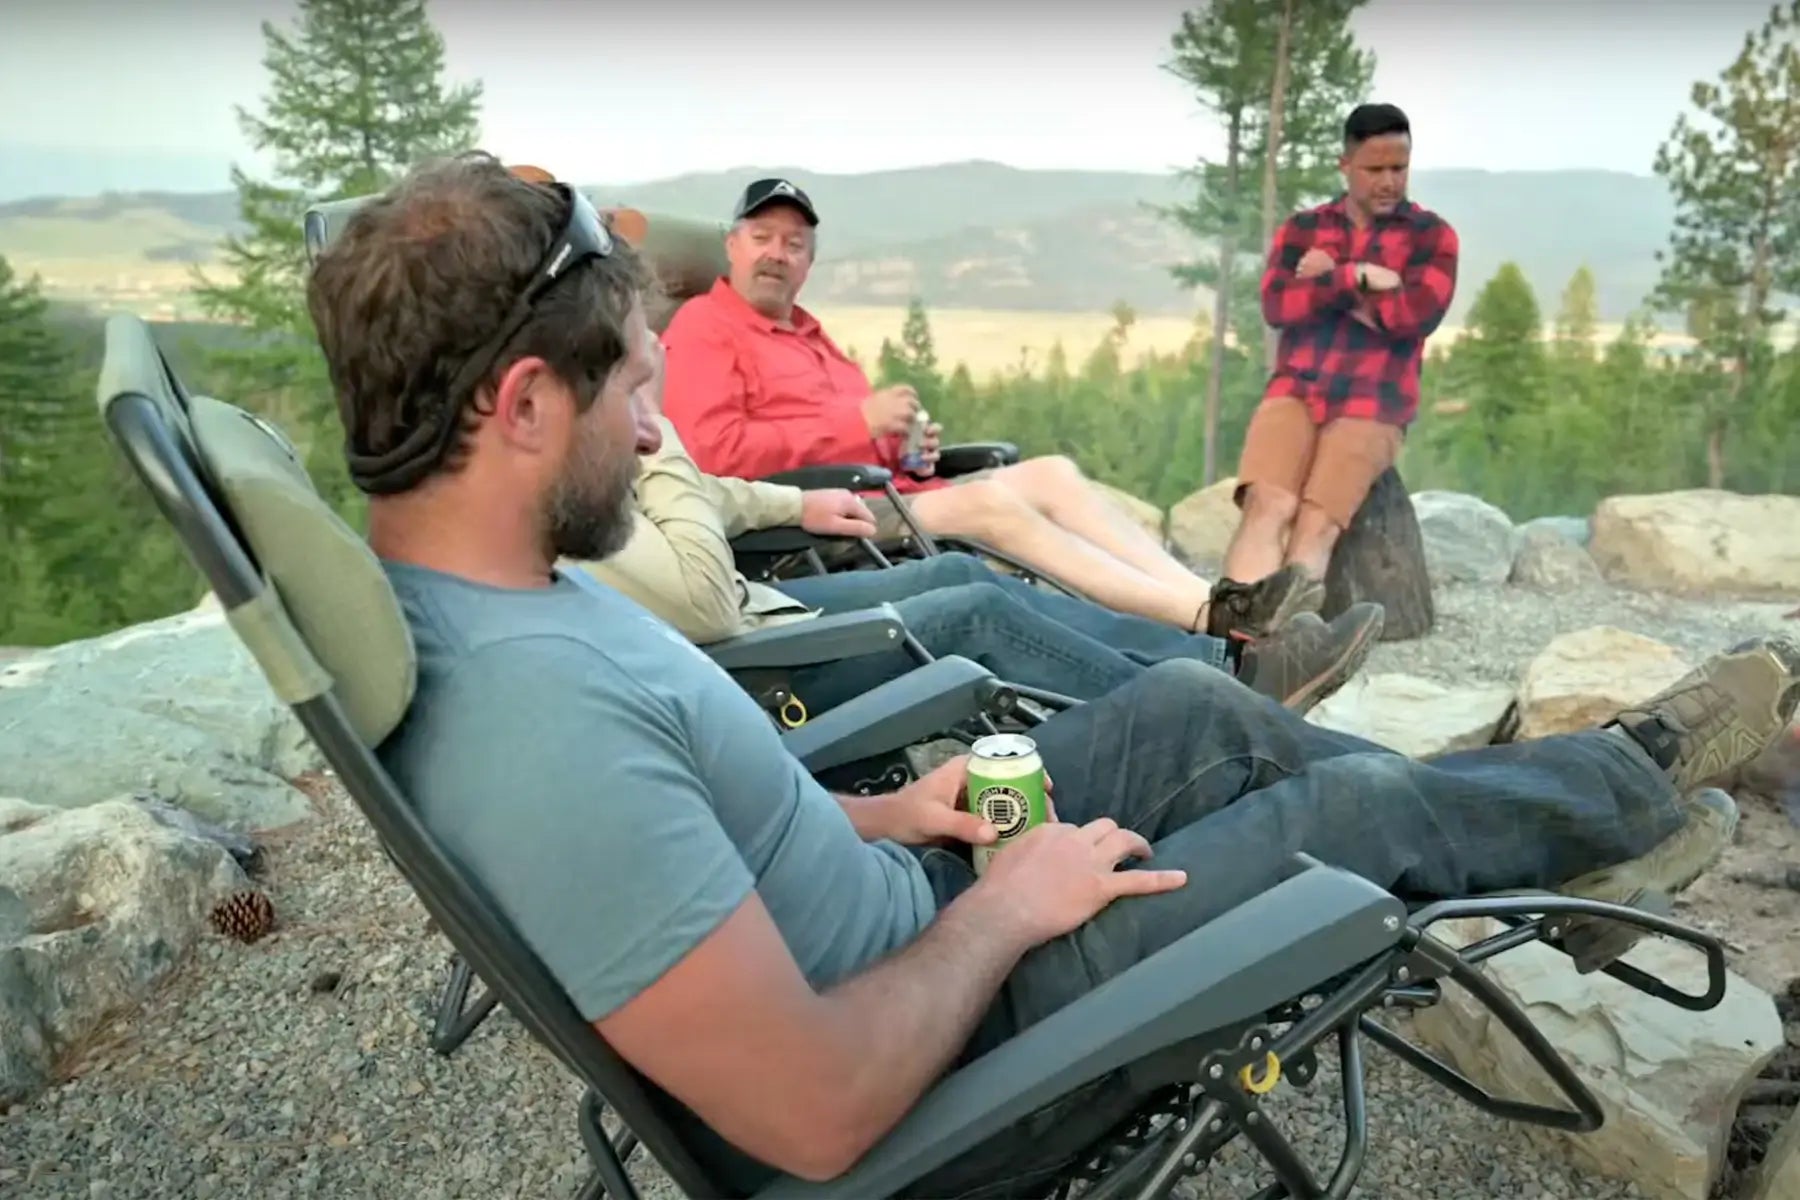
[
  {"x": 750, "y": 397},
  {"x": 1336, "y": 364}
]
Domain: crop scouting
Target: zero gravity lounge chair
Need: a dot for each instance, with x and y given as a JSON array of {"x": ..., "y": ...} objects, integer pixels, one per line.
[{"x": 1207, "y": 1027}]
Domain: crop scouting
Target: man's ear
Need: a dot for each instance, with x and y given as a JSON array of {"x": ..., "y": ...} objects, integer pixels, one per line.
[{"x": 524, "y": 408}]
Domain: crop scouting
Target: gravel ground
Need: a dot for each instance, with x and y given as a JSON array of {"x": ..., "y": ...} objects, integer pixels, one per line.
[
  {"x": 1489, "y": 634},
  {"x": 298, "y": 1066}
]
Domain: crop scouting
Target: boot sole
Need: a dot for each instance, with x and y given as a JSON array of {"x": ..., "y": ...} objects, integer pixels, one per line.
[
  {"x": 1596, "y": 942},
  {"x": 1326, "y": 683}
]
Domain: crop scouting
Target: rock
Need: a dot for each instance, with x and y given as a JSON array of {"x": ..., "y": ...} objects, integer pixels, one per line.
[
  {"x": 1415, "y": 716},
  {"x": 99, "y": 903},
  {"x": 1584, "y": 678},
  {"x": 1142, "y": 512},
  {"x": 1778, "y": 1177},
  {"x": 1467, "y": 540},
  {"x": 176, "y": 707},
  {"x": 1550, "y": 562},
  {"x": 1578, "y": 531},
  {"x": 1668, "y": 1080},
  {"x": 1776, "y": 772},
  {"x": 1201, "y": 526},
  {"x": 1701, "y": 541}
]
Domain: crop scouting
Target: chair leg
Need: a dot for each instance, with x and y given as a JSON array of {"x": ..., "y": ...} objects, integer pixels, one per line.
[
  {"x": 454, "y": 1022},
  {"x": 609, "y": 1178}
]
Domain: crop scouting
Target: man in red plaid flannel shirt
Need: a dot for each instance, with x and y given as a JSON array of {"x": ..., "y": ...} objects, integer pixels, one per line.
[{"x": 1355, "y": 286}]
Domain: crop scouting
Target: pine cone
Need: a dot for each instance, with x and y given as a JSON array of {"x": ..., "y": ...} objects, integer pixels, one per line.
[{"x": 245, "y": 915}]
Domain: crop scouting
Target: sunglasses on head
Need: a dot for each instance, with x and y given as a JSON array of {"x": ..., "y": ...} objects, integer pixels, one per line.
[{"x": 584, "y": 237}]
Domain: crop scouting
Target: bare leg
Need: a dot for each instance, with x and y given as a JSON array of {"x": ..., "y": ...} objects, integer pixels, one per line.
[
  {"x": 988, "y": 512},
  {"x": 1056, "y": 487},
  {"x": 1314, "y": 536},
  {"x": 1256, "y": 547}
]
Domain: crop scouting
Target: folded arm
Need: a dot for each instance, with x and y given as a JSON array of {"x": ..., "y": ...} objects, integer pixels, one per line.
[
  {"x": 1288, "y": 299},
  {"x": 706, "y": 394},
  {"x": 1417, "y": 307}
]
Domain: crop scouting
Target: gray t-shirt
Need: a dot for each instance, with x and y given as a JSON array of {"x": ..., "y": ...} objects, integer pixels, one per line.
[{"x": 618, "y": 795}]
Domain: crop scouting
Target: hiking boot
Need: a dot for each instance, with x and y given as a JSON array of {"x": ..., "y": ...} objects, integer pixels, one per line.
[
  {"x": 1721, "y": 715},
  {"x": 1248, "y": 611},
  {"x": 1649, "y": 882},
  {"x": 1308, "y": 660}
]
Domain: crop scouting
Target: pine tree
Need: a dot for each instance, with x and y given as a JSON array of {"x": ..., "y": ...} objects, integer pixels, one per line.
[
  {"x": 42, "y": 414},
  {"x": 356, "y": 98},
  {"x": 1733, "y": 168},
  {"x": 1228, "y": 51},
  {"x": 1578, "y": 319}
]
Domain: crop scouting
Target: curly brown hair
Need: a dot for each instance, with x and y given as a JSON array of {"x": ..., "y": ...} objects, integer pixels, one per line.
[{"x": 417, "y": 284}]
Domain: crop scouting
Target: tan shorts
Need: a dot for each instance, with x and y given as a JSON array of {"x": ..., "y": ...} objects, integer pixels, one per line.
[{"x": 1331, "y": 466}]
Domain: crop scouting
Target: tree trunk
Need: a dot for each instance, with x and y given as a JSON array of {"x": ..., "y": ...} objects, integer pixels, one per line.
[
  {"x": 1381, "y": 557},
  {"x": 1272, "y": 154},
  {"x": 1715, "y": 455},
  {"x": 1215, "y": 374}
]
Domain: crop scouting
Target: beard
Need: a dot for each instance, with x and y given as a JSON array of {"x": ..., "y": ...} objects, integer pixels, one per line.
[{"x": 587, "y": 514}]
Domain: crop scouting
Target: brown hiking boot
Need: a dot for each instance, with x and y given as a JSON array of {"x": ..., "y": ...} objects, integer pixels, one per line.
[
  {"x": 1721, "y": 715},
  {"x": 1308, "y": 660},
  {"x": 1718, "y": 717},
  {"x": 1651, "y": 881},
  {"x": 1248, "y": 611}
]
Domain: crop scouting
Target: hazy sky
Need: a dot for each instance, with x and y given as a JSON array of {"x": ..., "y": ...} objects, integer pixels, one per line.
[{"x": 621, "y": 92}]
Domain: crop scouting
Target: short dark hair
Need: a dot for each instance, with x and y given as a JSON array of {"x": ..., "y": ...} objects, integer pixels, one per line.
[
  {"x": 1374, "y": 120},
  {"x": 424, "y": 275}
]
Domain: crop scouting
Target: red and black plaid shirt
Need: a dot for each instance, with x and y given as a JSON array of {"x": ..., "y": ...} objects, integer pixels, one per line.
[{"x": 1338, "y": 365}]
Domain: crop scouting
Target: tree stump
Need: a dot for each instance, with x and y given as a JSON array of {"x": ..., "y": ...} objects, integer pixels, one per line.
[{"x": 1381, "y": 557}]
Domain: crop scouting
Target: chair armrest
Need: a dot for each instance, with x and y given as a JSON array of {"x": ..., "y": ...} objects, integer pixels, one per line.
[
  {"x": 965, "y": 457},
  {"x": 921, "y": 704},
  {"x": 1313, "y": 926},
  {"x": 779, "y": 539},
  {"x": 857, "y": 477},
  {"x": 820, "y": 640}
]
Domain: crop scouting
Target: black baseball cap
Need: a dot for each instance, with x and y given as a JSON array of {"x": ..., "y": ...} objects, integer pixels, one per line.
[{"x": 764, "y": 192}]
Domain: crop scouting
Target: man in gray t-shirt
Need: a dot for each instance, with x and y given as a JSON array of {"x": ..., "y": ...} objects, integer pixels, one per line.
[
  {"x": 796, "y": 968},
  {"x": 621, "y": 795}
]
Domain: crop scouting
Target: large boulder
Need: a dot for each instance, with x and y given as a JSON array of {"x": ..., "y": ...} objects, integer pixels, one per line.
[
  {"x": 1701, "y": 541},
  {"x": 175, "y": 707},
  {"x": 1550, "y": 562},
  {"x": 1415, "y": 716},
  {"x": 1584, "y": 678},
  {"x": 1467, "y": 540},
  {"x": 97, "y": 904},
  {"x": 1667, "y": 1079},
  {"x": 1144, "y": 514},
  {"x": 1201, "y": 526},
  {"x": 1577, "y": 530}
]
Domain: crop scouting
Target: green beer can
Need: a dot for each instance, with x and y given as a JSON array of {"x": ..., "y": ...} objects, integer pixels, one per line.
[{"x": 1006, "y": 789}]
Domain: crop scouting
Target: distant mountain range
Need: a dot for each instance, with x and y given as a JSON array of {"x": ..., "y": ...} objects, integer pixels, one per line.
[{"x": 963, "y": 235}]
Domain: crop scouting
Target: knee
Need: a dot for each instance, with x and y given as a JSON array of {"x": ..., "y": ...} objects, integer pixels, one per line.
[
  {"x": 1186, "y": 681},
  {"x": 1051, "y": 473},
  {"x": 1266, "y": 505},
  {"x": 953, "y": 568},
  {"x": 990, "y": 509}
]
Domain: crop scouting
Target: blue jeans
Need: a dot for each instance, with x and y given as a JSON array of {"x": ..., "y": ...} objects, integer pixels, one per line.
[
  {"x": 1227, "y": 785},
  {"x": 955, "y": 604}
]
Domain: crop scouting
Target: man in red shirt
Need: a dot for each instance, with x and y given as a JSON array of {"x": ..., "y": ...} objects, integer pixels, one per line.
[
  {"x": 754, "y": 386},
  {"x": 1355, "y": 286}
]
